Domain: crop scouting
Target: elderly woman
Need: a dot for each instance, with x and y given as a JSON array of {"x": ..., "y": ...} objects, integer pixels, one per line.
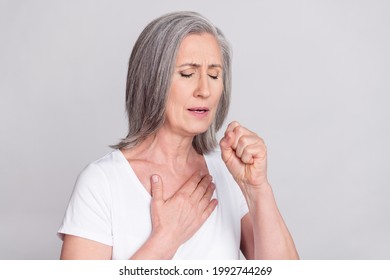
[{"x": 166, "y": 192}]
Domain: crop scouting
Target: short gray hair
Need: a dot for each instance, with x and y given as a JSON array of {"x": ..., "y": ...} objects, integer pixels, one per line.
[{"x": 150, "y": 71}]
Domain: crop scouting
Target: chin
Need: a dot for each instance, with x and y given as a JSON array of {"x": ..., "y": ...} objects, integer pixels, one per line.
[{"x": 199, "y": 131}]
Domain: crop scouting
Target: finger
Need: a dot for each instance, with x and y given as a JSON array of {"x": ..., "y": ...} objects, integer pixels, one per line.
[
  {"x": 203, "y": 203},
  {"x": 227, "y": 141},
  {"x": 247, "y": 158},
  {"x": 191, "y": 184},
  {"x": 232, "y": 126},
  {"x": 226, "y": 146},
  {"x": 157, "y": 187},
  {"x": 201, "y": 189},
  {"x": 209, "y": 209},
  {"x": 229, "y": 136},
  {"x": 238, "y": 132},
  {"x": 254, "y": 151},
  {"x": 243, "y": 142}
]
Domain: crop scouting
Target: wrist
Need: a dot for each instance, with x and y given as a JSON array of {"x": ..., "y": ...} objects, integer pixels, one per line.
[
  {"x": 163, "y": 244},
  {"x": 255, "y": 194},
  {"x": 156, "y": 247},
  {"x": 255, "y": 190}
]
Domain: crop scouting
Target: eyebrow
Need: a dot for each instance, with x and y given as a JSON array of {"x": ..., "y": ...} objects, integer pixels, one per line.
[{"x": 198, "y": 65}]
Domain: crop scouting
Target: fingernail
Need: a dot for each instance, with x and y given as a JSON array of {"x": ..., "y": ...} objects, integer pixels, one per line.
[{"x": 155, "y": 179}]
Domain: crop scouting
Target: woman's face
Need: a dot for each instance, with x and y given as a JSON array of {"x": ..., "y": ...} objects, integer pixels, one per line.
[{"x": 196, "y": 86}]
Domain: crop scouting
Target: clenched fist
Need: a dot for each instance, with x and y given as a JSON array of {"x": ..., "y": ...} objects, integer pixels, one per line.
[{"x": 245, "y": 156}]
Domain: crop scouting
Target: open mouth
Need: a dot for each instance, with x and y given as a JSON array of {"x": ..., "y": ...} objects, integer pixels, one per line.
[{"x": 198, "y": 110}]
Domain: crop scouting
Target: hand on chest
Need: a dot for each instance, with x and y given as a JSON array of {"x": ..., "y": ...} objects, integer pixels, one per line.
[{"x": 172, "y": 180}]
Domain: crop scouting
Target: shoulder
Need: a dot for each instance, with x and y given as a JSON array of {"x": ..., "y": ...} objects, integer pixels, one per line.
[
  {"x": 215, "y": 154},
  {"x": 214, "y": 159},
  {"x": 97, "y": 174},
  {"x": 104, "y": 165},
  {"x": 216, "y": 165},
  {"x": 111, "y": 160}
]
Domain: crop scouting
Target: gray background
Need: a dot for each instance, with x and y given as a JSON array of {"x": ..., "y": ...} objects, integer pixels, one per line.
[{"x": 311, "y": 77}]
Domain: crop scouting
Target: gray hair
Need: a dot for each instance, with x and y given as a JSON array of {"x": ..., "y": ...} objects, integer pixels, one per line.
[{"x": 151, "y": 67}]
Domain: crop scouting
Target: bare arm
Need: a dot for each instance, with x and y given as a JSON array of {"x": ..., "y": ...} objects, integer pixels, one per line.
[
  {"x": 264, "y": 233},
  {"x": 78, "y": 248}
]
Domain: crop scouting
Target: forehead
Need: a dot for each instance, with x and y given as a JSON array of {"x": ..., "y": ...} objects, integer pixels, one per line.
[{"x": 199, "y": 48}]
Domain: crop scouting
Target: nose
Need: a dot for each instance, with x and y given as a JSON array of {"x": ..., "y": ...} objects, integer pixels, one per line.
[{"x": 202, "y": 89}]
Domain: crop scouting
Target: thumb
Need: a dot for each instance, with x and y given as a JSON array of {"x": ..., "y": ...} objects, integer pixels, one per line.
[
  {"x": 226, "y": 146},
  {"x": 157, "y": 187}
]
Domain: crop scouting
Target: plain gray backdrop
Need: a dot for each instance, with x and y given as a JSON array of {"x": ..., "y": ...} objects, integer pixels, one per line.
[{"x": 310, "y": 77}]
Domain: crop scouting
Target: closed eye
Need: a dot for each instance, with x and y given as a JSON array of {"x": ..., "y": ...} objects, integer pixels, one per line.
[
  {"x": 186, "y": 75},
  {"x": 213, "y": 77}
]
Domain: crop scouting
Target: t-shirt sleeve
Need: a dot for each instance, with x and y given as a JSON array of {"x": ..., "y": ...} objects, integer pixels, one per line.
[{"x": 89, "y": 211}]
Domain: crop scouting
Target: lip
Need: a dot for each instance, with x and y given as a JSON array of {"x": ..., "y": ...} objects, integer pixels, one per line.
[
  {"x": 195, "y": 109},
  {"x": 199, "y": 112}
]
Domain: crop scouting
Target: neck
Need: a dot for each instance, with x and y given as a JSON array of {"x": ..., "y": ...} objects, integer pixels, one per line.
[{"x": 173, "y": 151}]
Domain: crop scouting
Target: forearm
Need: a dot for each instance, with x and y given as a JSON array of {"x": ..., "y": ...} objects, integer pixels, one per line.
[
  {"x": 156, "y": 247},
  {"x": 272, "y": 239}
]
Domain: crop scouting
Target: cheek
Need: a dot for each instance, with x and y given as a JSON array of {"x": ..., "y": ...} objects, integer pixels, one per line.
[
  {"x": 174, "y": 105},
  {"x": 180, "y": 92},
  {"x": 218, "y": 94}
]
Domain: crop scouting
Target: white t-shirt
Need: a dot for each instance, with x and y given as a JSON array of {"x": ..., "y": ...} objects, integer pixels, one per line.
[{"x": 110, "y": 205}]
